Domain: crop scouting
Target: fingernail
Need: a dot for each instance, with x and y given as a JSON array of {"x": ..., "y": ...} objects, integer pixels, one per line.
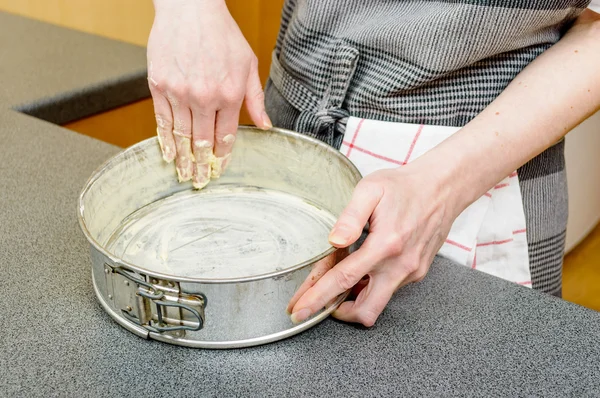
[
  {"x": 185, "y": 159},
  {"x": 300, "y": 316},
  {"x": 339, "y": 236},
  {"x": 200, "y": 183},
  {"x": 161, "y": 144},
  {"x": 217, "y": 166},
  {"x": 266, "y": 121},
  {"x": 168, "y": 154},
  {"x": 182, "y": 174},
  {"x": 185, "y": 169},
  {"x": 167, "y": 151},
  {"x": 203, "y": 155},
  {"x": 202, "y": 176}
]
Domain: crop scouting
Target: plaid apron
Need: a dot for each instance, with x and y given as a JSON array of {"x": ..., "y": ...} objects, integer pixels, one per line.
[{"x": 420, "y": 62}]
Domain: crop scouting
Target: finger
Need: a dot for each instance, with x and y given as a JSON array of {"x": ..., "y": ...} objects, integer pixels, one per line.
[
  {"x": 255, "y": 99},
  {"x": 182, "y": 132},
  {"x": 370, "y": 302},
  {"x": 319, "y": 269},
  {"x": 225, "y": 132},
  {"x": 355, "y": 216},
  {"x": 164, "y": 124},
  {"x": 359, "y": 287},
  {"x": 336, "y": 281},
  {"x": 203, "y": 138}
]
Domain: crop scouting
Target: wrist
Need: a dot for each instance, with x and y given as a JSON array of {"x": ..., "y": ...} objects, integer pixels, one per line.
[{"x": 451, "y": 172}]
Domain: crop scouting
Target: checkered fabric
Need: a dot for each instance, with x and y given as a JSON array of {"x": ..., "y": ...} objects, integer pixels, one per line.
[
  {"x": 489, "y": 235},
  {"x": 423, "y": 62}
]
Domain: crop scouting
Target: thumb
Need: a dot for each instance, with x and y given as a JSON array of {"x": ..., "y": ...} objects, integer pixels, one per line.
[
  {"x": 255, "y": 99},
  {"x": 355, "y": 216}
]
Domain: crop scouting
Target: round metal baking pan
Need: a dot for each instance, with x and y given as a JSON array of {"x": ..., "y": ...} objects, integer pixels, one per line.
[{"x": 215, "y": 268}]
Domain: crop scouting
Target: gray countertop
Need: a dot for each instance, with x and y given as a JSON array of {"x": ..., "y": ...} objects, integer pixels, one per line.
[{"x": 457, "y": 333}]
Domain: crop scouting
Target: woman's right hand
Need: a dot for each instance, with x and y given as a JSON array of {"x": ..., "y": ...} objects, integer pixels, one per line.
[{"x": 200, "y": 70}]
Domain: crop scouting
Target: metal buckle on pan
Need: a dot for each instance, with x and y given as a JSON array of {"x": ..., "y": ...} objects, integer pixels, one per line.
[{"x": 159, "y": 306}]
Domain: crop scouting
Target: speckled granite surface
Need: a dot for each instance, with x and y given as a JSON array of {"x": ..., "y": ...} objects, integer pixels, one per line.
[{"x": 458, "y": 333}]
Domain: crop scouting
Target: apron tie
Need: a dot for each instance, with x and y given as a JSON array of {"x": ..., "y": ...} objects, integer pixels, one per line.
[
  {"x": 325, "y": 121},
  {"x": 323, "y": 118}
]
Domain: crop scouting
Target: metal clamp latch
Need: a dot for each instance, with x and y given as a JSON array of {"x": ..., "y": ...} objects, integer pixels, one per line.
[{"x": 157, "y": 305}]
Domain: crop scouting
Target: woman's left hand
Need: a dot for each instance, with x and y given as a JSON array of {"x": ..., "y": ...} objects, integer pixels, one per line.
[{"x": 410, "y": 211}]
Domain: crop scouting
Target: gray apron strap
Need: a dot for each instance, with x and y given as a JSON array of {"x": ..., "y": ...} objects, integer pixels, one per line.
[{"x": 323, "y": 118}]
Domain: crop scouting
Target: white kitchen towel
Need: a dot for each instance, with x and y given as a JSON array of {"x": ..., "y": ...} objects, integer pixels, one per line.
[{"x": 490, "y": 235}]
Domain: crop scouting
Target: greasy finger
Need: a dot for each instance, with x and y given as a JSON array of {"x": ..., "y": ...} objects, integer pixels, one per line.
[
  {"x": 225, "y": 132},
  {"x": 319, "y": 269},
  {"x": 164, "y": 124},
  {"x": 369, "y": 303},
  {"x": 353, "y": 219},
  {"x": 182, "y": 132},
  {"x": 203, "y": 141},
  {"x": 336, "y": 281}
]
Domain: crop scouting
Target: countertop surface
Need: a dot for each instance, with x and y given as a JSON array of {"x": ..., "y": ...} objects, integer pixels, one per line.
[{"x": 457, "y": 333}]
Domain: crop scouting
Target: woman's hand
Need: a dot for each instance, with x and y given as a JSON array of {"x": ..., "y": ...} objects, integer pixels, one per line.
[
  {"x": 410, "y": 211},
  {"x": 200, "y": 69}
]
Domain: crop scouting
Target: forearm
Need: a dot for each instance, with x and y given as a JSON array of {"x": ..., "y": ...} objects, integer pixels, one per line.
[{"x": 551, "y": 96}]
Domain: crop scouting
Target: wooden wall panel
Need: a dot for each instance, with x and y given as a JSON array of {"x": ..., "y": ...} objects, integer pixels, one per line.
[{"x": 122, "y": 126}]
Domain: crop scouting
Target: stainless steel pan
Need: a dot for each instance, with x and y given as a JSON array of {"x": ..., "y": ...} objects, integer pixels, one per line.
[{"x": 215, "y": 268}]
